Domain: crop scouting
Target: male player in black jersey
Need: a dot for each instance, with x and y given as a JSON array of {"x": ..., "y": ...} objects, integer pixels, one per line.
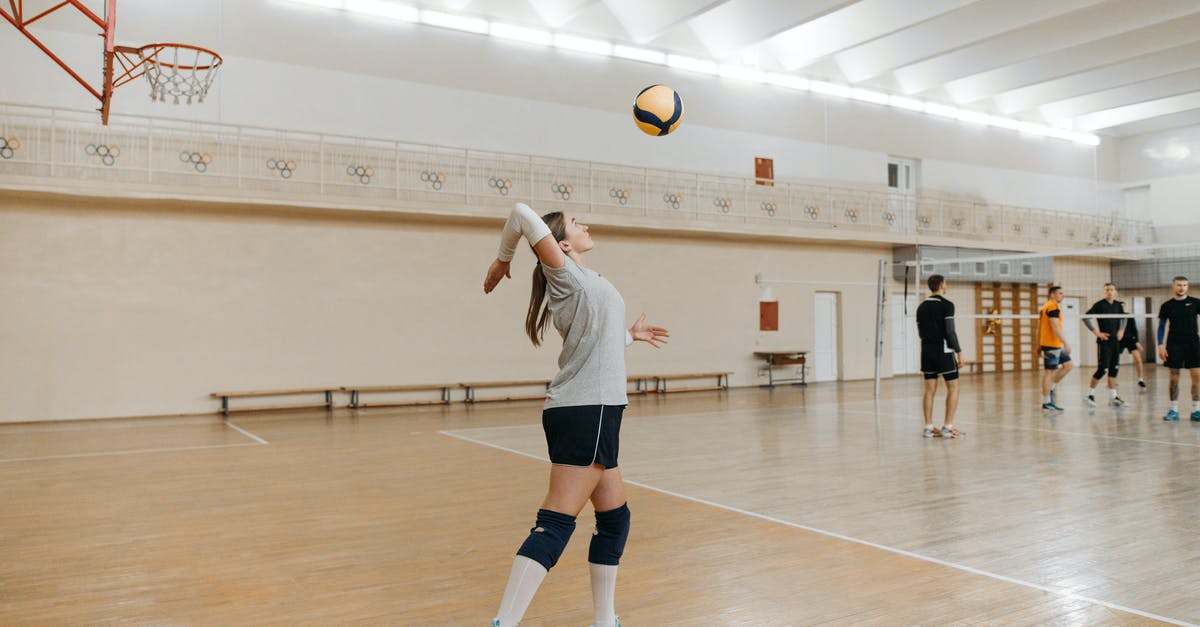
[
  {"x": 1180, "y": 346},
  {"x": 1109, "y": 332},
  {"x": 941, "y": 355}
]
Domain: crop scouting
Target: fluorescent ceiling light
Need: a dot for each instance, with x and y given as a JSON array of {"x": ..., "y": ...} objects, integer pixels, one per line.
[
  {"x": 787, "y": 80},
  {"x": 639, "y": 54},
  {"x": 906, "y": 103},
  {"x": 1029, "y": 128},
  {"x": 522, "y": 34},
  {"x": 974, "y": 117},
  {"x": 383, "y": 9},
  {"x": 742, "y": 72},
  {"x": 328, "y": 4},
  {"x": 934, "y": 108},
  {"x": 692, "y": 65},
  {"x": 1086, "y": 139},
  {"x": 867, "y": 95},
  {"x": 457, "y": 22},
  {"x": 829, "y": 89},
  {"x": 1003, "y": 122},
  {"x": 583, "y": 44}
]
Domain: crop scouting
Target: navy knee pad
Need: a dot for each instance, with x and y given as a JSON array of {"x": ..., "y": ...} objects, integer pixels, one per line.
[
  {"x": 548, "y": 538},
  {"x": 608, "y": 543}
]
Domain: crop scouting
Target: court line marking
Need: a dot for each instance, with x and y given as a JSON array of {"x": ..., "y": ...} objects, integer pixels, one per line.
[
  {"x": 245, "y": 433},
  {"x": 129, "y": 452},
  {"x": 1070, "y": 596},
  {"x": 257, "y": 442}
]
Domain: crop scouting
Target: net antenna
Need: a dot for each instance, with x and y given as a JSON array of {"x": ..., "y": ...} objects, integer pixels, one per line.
[{"x": 180, "y": 71}]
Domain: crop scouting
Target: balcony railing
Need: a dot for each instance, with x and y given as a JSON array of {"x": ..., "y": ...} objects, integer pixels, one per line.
[{"x": 68, "y": 148}]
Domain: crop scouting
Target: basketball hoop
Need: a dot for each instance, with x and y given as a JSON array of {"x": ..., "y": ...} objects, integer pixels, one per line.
[
  {"x": 179, "y": 71},
  {"x": 175, "y": 70}
]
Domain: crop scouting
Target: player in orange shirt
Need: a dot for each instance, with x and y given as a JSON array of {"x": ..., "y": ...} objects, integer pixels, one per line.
[{"x": 1053, "y": 348}]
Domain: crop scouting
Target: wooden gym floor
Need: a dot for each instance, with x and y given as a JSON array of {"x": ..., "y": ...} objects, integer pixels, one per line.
[{"x": 801, "y": 506}]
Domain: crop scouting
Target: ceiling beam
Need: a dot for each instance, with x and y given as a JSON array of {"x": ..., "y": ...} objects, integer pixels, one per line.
[{"x": 1043, "y": 38}]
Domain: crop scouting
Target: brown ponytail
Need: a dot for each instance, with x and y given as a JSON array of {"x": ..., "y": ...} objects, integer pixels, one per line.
[{"x": 535, "y": 324}]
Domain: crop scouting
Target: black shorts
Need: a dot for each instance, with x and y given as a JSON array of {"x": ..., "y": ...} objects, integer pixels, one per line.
[
  {"x": 582, "y": 435},
  {"x": 1108, "y": 358},
  {"x": 936, "y": 362},
  {"x": 1129, "y": 345},
  {"x": 1186, "y": 355}
]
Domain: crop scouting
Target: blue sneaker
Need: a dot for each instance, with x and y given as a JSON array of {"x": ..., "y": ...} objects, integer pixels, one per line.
[
  {"x": 1051, "y": 406},
  {"x": 617, "y": 622},
  {"x": 1171, "y": 415},
  {"x": 495, "y": 622},
  {"x": 1196, "y": 416}
]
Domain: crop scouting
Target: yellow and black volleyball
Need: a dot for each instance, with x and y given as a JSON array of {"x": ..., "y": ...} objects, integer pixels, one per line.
[{"x": 657, "y": 110}]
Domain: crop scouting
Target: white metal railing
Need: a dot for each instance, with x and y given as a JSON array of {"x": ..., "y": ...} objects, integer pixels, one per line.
[{"x": 205, "y": 158}]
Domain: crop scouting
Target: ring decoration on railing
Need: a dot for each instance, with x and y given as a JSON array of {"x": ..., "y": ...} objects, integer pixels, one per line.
[
  {"x": 361, "y": 172},
  {"x": 107, "y": 154},
  {"x": 140, "y": 158},
  {"x": 768, "y": 207},
  {"x": 285, "y": 167},
  {"x": 924, "y": 220},
  {"x": 673, "y": 199},
  {"x": 433, "y": 179},
  {"x": 852, "y": 214},
  {"x": 724, "y": 204},
  {"x": 1018, "y": 228},
  {"x": 198, "y": 161},
  {"x": 9, "y": 147},
  {"x": 564, "y": 190},
  {"x": 501, "y": 185}
]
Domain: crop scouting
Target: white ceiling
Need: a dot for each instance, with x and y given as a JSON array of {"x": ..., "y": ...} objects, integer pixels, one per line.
[{"x": 1114, "y": 67}]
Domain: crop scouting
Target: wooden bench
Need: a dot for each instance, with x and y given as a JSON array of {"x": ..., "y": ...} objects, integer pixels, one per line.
[
  {"x": 357, "y": 392},
  {"x": 225, "y": 396},
  {"x": 471, "y": 387},
  {"x": 721, "y": 377},
  {"x": 642, "y": 383},
  {"x": 784, "y": 358}
]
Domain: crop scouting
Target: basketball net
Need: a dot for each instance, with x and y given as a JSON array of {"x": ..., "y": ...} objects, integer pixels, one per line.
[{"x": 179, "y": 71}]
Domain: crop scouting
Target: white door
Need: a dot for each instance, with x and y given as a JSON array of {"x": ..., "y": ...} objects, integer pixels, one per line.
[
  {"x": 1071, "y": 324},
  {"x": 906, "y": 358},
  {"x": 825, "y": 334}
]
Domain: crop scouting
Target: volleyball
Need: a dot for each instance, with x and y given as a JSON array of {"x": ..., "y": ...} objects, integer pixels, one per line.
[{"x": 657, "y": 110}]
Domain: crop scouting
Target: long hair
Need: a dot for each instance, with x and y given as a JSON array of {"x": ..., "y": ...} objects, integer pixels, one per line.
[{"x": 535, "y": 320}]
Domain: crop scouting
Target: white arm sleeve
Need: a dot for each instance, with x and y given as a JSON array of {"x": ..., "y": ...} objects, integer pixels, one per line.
[
  {"x": 628, "y": 339},
  {"x": 522, "y": 221}
]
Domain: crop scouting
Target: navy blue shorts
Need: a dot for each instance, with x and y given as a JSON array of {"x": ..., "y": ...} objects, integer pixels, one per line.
[
  {"x": 1052, "y": 358},
  {"x": 582, "y": 435}
]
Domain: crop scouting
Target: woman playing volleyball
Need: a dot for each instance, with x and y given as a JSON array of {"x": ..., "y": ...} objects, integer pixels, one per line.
[{"x": 582, "y": 413}]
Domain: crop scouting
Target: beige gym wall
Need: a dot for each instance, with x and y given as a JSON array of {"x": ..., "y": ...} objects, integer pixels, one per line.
[{"x": 129, "y": 308}]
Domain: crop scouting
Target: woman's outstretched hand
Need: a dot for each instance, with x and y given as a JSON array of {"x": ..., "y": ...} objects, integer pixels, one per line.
[
  {"x": 497, "y": 272},
  {"x": 652, "y": 335}
]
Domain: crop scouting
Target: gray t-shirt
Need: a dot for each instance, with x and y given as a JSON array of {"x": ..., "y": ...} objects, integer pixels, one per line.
[{"x": 589, "y": 313}]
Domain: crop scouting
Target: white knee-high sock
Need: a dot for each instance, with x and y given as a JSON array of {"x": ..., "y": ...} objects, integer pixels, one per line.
[
  {"x": 604, "y": 591},
  {"x": 523, "y": 583}
]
